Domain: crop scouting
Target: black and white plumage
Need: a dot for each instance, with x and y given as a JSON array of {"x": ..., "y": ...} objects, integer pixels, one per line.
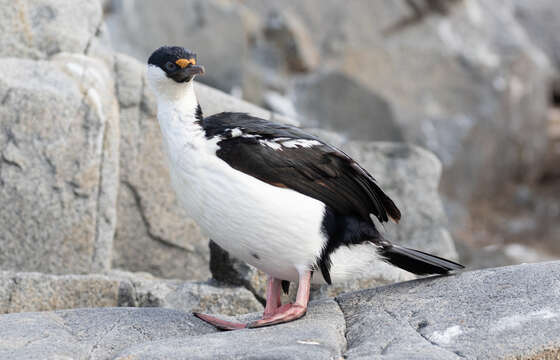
[{"x": 271, "y": 194}]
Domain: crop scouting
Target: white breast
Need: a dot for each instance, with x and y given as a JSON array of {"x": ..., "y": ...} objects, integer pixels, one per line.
[{"x": 275, "y": 229}]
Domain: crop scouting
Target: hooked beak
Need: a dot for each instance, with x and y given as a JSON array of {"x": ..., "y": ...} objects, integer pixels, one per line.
[{"x": 187, "y": 70}]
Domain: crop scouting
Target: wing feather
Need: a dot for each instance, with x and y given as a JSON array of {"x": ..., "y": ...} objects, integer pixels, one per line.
[{"x": 320, "y": 171}]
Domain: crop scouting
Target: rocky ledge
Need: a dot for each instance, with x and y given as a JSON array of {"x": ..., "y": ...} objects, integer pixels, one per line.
[{"x": 510, "y": 312}]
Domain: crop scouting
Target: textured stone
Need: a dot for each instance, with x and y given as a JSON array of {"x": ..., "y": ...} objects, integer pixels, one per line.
[
  {"x": 59, "y": 168},
  {"x": 320, "y": 335},
  {"x": 194, "y": 24},
  {"x": 351, "y": 109},
  {"x": 287, "y": 32},
  {"x": 540, "y": 20},
  {"x": 38, "y": 29},
  {"x": 90, "y": 333},
  {"x": 509, "y": 312},
  {"x": 502, "y": 313},
  {"x": 23, "y": 292}
]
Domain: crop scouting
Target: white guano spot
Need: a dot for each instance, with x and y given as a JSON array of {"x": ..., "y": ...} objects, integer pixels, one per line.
[
  {"x": 446, "y": 336},
  {"x": 308, "y": 342},
  {"x": 515, "y": 321}
]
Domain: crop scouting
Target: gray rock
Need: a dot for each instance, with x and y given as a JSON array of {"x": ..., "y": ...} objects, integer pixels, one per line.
[
  {"x": 287, "y": 32},
  {"x": 90, "y": 333},
  {"x": 23, "y": 292},
  {"x": 154, "y": 233},
  {"x": 540, "y": 20},
  {"x": 351, "y": 108},
  {"x": 38, "y": 29},
  {"x": 319, "y": 335},
  {"x": 486, "y": 314},
  {"x": 59, "y": 168},
  {"x": 193, "y": 24}
]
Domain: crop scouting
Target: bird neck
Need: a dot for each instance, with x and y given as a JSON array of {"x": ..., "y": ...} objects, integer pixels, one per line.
[{"x": 180, "y": 116}]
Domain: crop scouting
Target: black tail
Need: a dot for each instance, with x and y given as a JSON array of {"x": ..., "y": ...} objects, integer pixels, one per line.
[{"x": 417, "y": 262}]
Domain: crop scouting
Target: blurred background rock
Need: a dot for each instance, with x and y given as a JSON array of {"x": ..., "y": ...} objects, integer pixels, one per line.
[{"x": 83, "y": 181}]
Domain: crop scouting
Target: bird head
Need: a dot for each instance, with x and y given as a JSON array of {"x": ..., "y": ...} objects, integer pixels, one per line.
[{"x": 171, "y": 67}]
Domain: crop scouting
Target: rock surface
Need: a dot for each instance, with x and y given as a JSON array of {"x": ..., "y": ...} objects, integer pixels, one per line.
[
  {"x": 26, "y": 292},
  {"x": 485, "y": 314},
  {"x": 58, "y": 203},
  {"x": 488, "y": 314},
  {"x": 38, "y": 29}
]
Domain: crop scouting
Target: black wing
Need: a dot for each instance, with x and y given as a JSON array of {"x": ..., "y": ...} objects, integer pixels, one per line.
[{"x": 286, "y": 156}]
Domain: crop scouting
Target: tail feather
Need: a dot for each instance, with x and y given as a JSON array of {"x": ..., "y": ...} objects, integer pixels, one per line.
[{"x": 417, "y": 262}]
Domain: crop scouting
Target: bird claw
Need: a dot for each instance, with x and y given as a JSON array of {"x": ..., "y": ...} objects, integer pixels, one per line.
[{"x": 285, "y": 313}]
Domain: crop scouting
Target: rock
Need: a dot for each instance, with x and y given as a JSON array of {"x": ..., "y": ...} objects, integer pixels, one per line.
[
  {"x": 351, "y": 108},
  {"x": 193, "y": 24},
  {"x": 25, "y": 292},
  {"x": 539, "y": 19},
  {"x": 287, "y": 32},
  {"x": 320, "y": 335},
  {"x": 90, "y": 333},
  {"x": 58, "y": 212},
  {"x": 39, "y": 29},
  {"x": 485, "y": 314},
  {"x": 153, "y": 231},
  {"x": 488, "y": 314}
]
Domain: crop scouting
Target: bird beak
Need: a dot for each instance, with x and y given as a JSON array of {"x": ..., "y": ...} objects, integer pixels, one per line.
[
  {"x": 187, "y": 70},
  {"x": 189, "y": 67}
]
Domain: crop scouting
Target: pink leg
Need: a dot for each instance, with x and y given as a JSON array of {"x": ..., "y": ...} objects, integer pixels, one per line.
[
  {"x": 273, "y": 296},
  {"x": 289, "y": 312},
  {"x": 274, "y": 311}
]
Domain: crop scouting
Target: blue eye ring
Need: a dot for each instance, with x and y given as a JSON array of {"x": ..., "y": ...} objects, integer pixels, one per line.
[{"x": 169, "y": 66}]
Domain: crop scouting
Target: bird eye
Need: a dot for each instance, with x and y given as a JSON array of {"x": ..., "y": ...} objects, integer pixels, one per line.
[{"x": 169, "y": 66}]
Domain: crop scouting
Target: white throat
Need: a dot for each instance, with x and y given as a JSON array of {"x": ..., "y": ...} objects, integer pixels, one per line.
[{"x": 183, "y": 137}]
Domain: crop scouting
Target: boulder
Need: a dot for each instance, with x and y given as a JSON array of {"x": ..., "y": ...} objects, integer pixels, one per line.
[
  {"x": 59, "y": 168},
  {"x": 486, "y": 314},
  {"x": 540, "y": 19},
  {"x": 27, "y": 292},
  {"x": 39, "y": 29},
  {"x": 351, "y": 108},
  {"x": 153, "y": 231}
]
